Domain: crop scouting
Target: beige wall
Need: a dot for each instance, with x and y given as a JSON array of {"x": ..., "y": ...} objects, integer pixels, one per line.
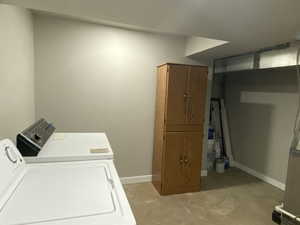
[
  {"x": 16, "y": 70},
  {"x": 261, "y": 108},
  {"x": 96, "y": 78},
  {"x": 218, "y": 86}
]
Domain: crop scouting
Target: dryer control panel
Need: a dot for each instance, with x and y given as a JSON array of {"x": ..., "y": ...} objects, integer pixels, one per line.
[{"x": 32, "y": 139}]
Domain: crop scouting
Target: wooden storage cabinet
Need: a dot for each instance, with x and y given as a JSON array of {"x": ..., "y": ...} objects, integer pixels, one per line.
[{"x": 180, "y": 108}]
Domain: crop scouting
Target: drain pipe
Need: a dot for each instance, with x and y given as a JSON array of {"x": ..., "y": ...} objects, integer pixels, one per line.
[{"x": 279, "y": 209}]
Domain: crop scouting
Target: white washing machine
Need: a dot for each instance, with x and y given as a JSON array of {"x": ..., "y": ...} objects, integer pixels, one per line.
[
  {"x": 60, "y": 193},
  {"x": 63, "y": 147}
]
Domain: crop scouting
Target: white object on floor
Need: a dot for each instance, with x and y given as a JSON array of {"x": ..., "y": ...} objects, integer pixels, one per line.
[
  {"x": 220, "y": 166},
  {"x": 63, "y": 147},
  {"x": 62, "y": 193}
]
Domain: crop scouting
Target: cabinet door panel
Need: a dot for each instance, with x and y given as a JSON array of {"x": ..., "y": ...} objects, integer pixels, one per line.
[
  {"x": 177, "y": 89},
  {"x": 193, "y": 158},
  {"x": 174, "y": 171},
  {"x": 197, "y": 92},
  {"x": 183, "y": 156}
]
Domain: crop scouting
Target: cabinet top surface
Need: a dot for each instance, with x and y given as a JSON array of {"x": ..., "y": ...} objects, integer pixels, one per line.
[{"x": 181, "y": 64}]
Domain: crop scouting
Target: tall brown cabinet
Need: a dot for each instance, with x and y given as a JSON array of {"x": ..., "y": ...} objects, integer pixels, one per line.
[{"x": 179, "y": 120}]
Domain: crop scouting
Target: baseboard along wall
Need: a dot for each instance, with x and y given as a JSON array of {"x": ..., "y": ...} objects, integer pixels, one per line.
[
  {"x": 259, "y": 175},
  {"x": 146, "y": 178}
]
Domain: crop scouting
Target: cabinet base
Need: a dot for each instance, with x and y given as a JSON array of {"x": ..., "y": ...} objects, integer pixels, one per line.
[{"x": 174, "y": 191}]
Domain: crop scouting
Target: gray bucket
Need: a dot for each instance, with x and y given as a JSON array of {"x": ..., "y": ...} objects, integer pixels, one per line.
[{"x": 220, "y": 165}]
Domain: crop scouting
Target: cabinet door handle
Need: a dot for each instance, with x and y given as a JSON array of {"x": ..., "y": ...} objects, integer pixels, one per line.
[
  {"x": 181, "y": 160},
  {"x": 190, "y": 109},
  {"x": 186, "y": 160},
  {"x": 185, "y": 98}
]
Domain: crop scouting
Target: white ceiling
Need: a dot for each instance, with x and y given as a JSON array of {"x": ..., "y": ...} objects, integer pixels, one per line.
[{"x": 247, "y": 24}]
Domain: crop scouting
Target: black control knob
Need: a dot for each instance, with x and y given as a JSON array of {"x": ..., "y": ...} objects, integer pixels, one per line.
[{"x": 36, "y": 138}]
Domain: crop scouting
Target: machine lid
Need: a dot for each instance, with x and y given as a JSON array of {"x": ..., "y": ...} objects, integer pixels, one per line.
[
  {"x": 12, "y": 166},
  {"x": 63, "y": 191},
  {"x": 74, "y": 147}
]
